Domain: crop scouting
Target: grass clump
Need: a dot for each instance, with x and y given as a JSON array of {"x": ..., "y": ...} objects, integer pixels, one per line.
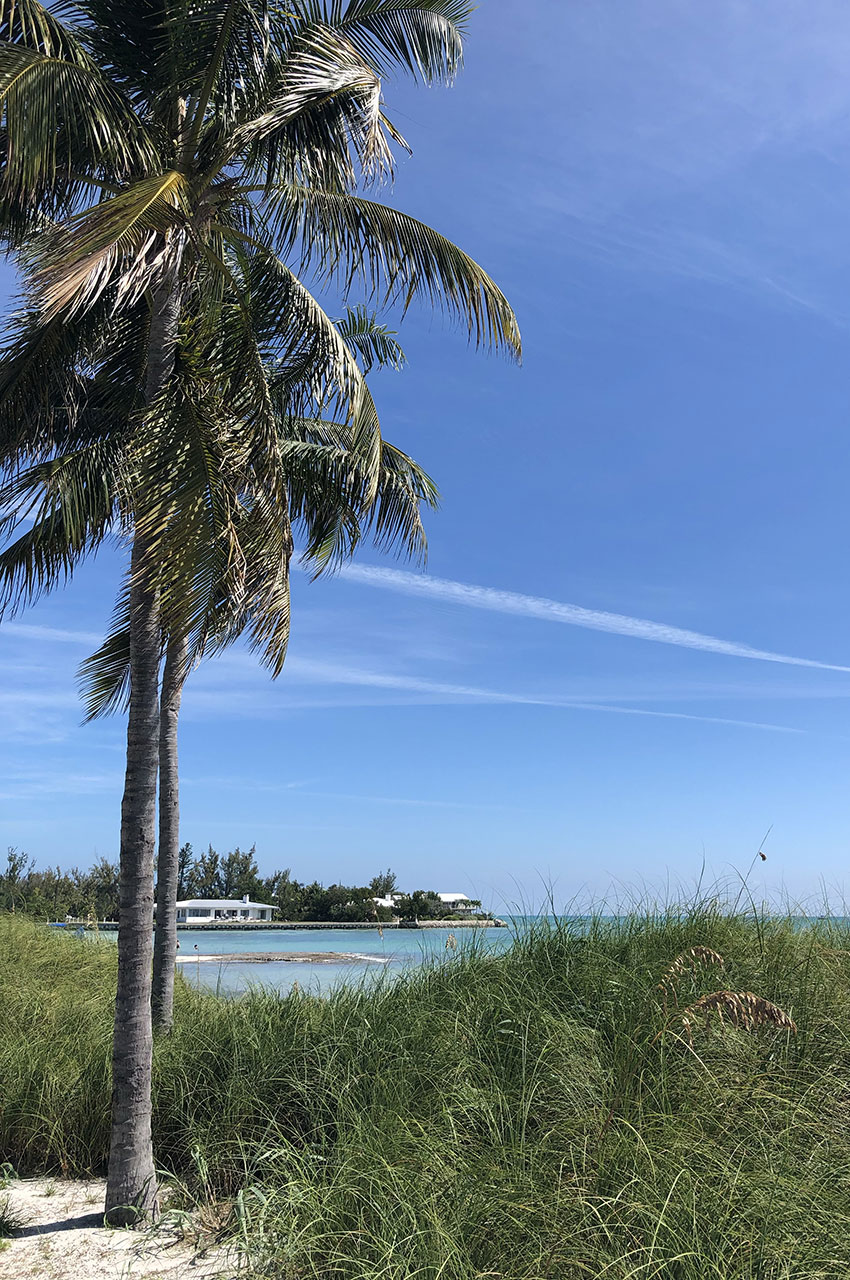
[{"x": 573, "y": 1107}]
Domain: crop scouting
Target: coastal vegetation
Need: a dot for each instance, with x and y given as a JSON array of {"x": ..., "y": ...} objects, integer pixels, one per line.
[
  {"x": 661, "y": 1094},
  {"x": 53, "y": 894}
]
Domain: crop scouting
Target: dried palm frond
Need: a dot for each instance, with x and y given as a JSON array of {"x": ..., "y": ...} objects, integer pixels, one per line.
[
  {"x": 740, "y": 1009},
  {"x": 688, "y": 963}
]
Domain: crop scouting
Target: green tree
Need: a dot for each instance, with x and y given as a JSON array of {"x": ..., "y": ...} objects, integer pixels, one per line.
[
  {"x": 333, "y": 498},
  {"x": 185, "y": 858},
  {"x": 103, "y": 889},
  {"x": 383, "y": 884},
  {"x": 422, "y": 904},
  {"x": 285, "y": 894},
  {"x": 18, "y": 866},
  {"x": 163, "y": 163},
  {"x": 240, "y": 874},
  {"x": 204, "y": 878}
]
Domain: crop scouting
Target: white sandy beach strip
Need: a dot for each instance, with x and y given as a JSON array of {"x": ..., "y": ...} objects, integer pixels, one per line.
[{"x": 62, "y": 1237}]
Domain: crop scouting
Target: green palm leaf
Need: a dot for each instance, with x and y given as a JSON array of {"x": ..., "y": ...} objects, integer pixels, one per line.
[
  {"x": 62, "y": 117},
  {"x": 73, "y": 501},
  {"x": 104, "y": 678},
  {"x": 424, "y": 38},
  {"x": 374, "y": 342},
  {"x": 311, "y": 363},
  {"x": 30, "y": 24},
  {"x": 324, "y": 66},
  {"x": 396, "y": 256},
  {"x": 141, "y": 44}
]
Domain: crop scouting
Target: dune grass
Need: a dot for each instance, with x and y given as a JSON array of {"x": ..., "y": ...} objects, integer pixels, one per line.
[{"x": 547, "y": 1112}]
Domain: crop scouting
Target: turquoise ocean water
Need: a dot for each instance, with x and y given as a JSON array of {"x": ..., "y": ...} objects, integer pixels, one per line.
[{"x": 370, "y": 954}]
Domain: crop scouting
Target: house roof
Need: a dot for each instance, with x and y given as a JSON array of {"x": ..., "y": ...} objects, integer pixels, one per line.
[
  {"x": 223, "y": 904},
  {"x": 453, "y": 897}
]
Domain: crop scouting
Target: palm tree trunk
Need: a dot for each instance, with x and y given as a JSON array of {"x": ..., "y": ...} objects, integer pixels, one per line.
[
  {"x": 131, "y": 1190},
  {"x": 168, "y": 856}
]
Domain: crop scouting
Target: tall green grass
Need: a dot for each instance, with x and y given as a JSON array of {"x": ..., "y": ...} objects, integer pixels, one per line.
[{"x": 533, "y": 1114}]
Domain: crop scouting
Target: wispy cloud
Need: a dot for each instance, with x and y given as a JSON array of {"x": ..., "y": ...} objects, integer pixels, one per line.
[
  {"x": 295, "y": 790},
  {"x": 58, "y": 781},
  {"x": 222, "y": 701},
  {"x": 50, "y": 635},
  {"x": 684, "y": 125},
  {"x": 574, "y": 615},
  {"x": 50, "y": 698}
]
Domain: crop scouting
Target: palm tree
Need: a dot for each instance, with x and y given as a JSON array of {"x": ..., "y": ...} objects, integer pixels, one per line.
[
  {"x": 329, "y": 491},
  {"x": 193, "y": 159},
  {"x": 326, "y": 489}
]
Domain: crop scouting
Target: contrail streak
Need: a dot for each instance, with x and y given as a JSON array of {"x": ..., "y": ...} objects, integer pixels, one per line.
[
  {"x": 511, "y": 602},
  {"x": 311, "y": 671},
  {"x": 335, "y": 674}
]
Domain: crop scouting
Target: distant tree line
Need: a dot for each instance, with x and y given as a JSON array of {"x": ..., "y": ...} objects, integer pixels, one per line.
[{"x": 54, "y": 894}]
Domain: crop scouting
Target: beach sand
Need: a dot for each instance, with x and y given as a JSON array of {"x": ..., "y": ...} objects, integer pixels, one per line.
[{"x": 62, "y": 1238}]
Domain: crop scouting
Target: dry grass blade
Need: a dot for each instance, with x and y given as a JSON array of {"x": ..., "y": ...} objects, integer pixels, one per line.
[
  {"x": 688, "y": 963},
  {"x": 740, "y": 1009}
]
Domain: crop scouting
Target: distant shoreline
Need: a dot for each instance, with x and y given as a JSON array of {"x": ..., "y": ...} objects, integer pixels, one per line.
[
  {"x": 344, "y": 924},
  {"x": 237, "y": 926},
  {"x": 286, "y": 957}
]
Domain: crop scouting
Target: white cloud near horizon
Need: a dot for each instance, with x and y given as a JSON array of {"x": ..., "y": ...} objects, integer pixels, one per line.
[{"x": 539, "y": 607}]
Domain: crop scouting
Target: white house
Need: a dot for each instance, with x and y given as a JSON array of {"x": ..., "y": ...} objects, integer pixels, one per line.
[
  {"x": 389, "y": 901},
  {"x": 203, "y": 910},
  {"x": 458, "y": 902}
]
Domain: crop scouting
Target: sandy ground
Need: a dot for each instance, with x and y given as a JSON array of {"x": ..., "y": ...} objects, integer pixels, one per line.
[{"x": 62, "y": 1238}]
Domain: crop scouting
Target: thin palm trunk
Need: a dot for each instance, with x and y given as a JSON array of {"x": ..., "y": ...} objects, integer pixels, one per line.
[
  {"x": 131, "y": 1190},
  {"x": 168, "y": 855}
]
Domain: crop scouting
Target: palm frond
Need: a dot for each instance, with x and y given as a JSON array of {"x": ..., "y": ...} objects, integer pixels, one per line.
[
  {"x": 375, "y": 343},
  {"x": 104, "y": 678},
  {"x": 231, "y": 42},
  {"x": 62, "y": 117},
  {"x": 422, "y": 37},
  {"x": 41, "y": 388},
  {"x": 139, "y": 44},
  {"x": 73, "y": 502},
  {"x": 313, "y": 148},
  {"x": 396, "y": 256},
  {"x": 66, "y": 383},
  {"x": 124, "y": 241},
  {"x": 193, "y": 472},
  {"x": 395, "y": 518},
  {"x": 324, "y": 66},
  {"x": 332, "y": 504},
  {"x": 232, "y": 355},
  {"x": 31, "y": 25},
  {"x": 267, "y": 541},
  {"x": 310, "y": 361}
]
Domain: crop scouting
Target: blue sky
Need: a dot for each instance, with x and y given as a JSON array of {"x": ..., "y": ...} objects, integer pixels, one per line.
[{"x": 663, "y": 191}]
